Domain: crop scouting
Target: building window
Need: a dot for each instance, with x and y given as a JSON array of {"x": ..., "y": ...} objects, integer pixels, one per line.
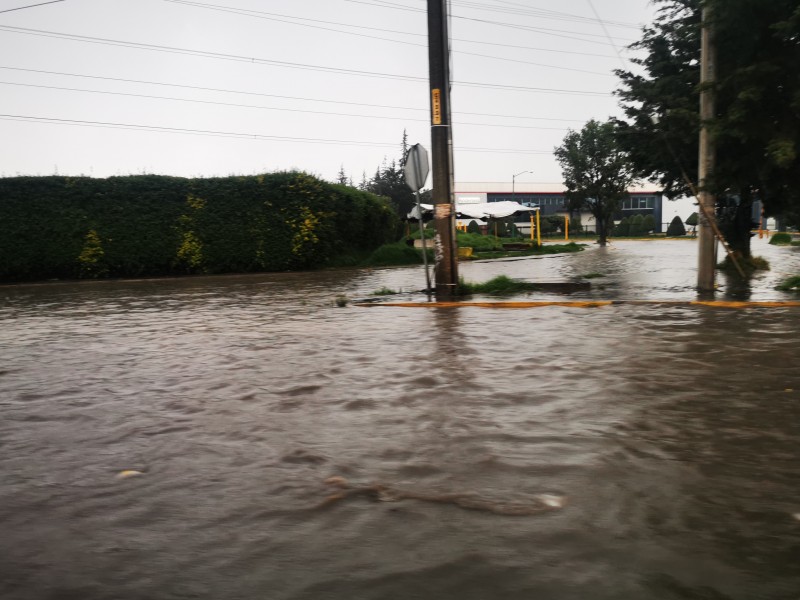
[{"x": 639, "y": 203}]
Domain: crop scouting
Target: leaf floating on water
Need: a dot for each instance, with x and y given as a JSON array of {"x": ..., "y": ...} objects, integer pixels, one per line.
[{"x": 128, "y": 473}]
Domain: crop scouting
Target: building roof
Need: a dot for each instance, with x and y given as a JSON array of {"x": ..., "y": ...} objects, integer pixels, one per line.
[{"x": 521, "y": 187}]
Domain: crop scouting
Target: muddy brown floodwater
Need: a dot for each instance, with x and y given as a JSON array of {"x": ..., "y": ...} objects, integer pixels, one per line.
[{"x": 660, "y": 442}]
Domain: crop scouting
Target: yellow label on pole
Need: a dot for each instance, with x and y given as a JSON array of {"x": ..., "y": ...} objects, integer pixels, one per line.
[{"x": 436, "y": 106}]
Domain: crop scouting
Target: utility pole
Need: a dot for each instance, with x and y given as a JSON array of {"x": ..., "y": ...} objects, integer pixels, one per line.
[
  {"x": 706, "y": 240},
  {"x": 445, "y": 251}
]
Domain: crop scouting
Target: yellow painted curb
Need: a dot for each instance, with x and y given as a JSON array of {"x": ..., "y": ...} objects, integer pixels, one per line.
[
  {"x": 587, "y": 304},
  {"x": 731, "y": 304},
  {"x": 584, "y": 304}
]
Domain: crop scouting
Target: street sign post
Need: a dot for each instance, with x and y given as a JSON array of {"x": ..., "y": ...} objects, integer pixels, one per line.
[{"x": 416, "y": 173}]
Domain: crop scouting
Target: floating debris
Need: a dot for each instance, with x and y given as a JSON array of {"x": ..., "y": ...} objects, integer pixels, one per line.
[
  {"x": 128, "y": 473},
  {"x": 379, "y": 492},
  {"x": 552, "y": 500}
]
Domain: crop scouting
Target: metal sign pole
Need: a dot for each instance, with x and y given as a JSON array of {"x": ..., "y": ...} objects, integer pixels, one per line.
[
  {"x": 421, "y": 225},
  {"x": 416, "y": 173}
]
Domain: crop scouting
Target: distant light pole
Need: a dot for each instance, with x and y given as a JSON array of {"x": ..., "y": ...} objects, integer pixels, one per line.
[
  {"x": 514, "y": 192},
  {"x": 513, "y": 184}
]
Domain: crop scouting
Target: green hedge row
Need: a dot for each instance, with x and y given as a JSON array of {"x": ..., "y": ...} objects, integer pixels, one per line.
[{"x": 143, "y": 225}]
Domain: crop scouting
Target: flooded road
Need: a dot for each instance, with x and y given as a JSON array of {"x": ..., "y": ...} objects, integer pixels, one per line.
[{"x": 670, "y": 433}]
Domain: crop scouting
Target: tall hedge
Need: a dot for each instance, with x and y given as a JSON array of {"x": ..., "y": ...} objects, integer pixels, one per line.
[
  {"x": 142, "y": 225},
  {"x": 636, "y": 227}
]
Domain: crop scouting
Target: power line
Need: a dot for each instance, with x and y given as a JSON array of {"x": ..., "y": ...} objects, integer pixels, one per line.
[
  {"x": 610, "y": 40},
  {"x": 541, "y": 13},
  {"x": 527, "y": 62},
  {"x": 518, "y": 47},
  {"x": 533, "y": 12},
  {"x": 213, "y": 89},
  {"x": 275, "y": 17},
  {"x": 181, "y": 130},
  {"x": 540, "y": 30},
  {"x": 237, "y": 135},
  {"x": 269, "y": 16},
  {"x": 279, "y": 63},
  {"x": 543, "y": 30},
  {"x": 204, "y": 53},
  {"x": 260, "y": 94},
  {"x": 278, "y": 17},
  {"x": 523, "y": 9},
  {"x": 523, "y": 88},
  {"x": 30, "y": 6},
  {"x": 239, "y": 105}
]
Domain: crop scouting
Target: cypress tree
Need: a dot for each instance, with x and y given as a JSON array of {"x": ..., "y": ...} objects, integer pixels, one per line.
[{"x": 676, "y": 228}]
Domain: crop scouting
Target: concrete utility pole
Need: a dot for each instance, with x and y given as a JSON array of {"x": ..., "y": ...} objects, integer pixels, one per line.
[
  {"x": 445, "y": 250},
  {"x": 706, "y": 240}
]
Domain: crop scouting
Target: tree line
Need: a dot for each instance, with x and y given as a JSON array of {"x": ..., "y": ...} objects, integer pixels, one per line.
[{"x": 389, "y": 182}]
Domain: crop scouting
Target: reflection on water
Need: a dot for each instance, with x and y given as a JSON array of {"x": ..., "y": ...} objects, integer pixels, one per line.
[{"x": 671, "y": 430}]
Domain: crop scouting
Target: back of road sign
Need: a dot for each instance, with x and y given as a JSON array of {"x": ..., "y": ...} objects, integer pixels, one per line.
[{"x": 416, "y": 169}]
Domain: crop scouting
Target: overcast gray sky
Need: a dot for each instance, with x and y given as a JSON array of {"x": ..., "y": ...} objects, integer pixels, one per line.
[{"x": 300, "y": 84}]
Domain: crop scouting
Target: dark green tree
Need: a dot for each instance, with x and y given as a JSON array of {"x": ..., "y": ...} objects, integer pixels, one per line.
[
  {"x": 661, "y": 100},
  {"x": 623, "y": 228},
  {"x": 341, "y": 177},
  {"x": 597, "y": 172},
  {"x": 757, "y": 123},
  {"x": 552, "y": 224},
  {"x": 649, "y": 224},
  {"x": 676, "y": 228},
  {"x": 757, "y": 128},
  {"x": 575, "y": 224},
  {"x": 389, "y": 182},
  {"x": 498, "y": 227},
  {"x": 404, "y": 150},
  {"x": 637, "y": 225},
  {"x": 692, "y": 220},
  {"x": 548, "y": 224}
]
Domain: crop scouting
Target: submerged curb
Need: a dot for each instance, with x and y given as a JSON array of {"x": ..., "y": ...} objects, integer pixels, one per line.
[{"x": 586, "y": 304}]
